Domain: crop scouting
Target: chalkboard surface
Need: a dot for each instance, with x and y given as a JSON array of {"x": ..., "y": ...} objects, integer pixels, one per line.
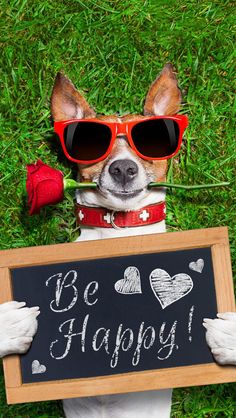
[{"x": 116, "y": 315}]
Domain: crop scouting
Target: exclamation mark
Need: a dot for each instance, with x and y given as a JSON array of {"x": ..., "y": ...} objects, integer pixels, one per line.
[{"x": 190, "y": 320}]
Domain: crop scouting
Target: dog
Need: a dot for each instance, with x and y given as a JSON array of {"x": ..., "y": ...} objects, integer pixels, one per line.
[{"x": 122, "y": 174}]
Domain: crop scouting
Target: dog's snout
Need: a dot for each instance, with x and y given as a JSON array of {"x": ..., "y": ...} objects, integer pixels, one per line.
[{"x": 123, "y": 171}]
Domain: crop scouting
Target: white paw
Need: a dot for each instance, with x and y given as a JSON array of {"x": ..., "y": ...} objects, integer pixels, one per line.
[
  {"x": 221, "y": 337},
  {"x": 18, "y": 325}
]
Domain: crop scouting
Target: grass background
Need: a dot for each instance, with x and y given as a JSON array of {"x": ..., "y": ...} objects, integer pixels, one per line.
[{"x": 112, "y": 50}]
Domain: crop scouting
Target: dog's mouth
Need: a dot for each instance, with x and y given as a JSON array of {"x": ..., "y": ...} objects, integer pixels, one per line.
[{"x": 125, "y": 194}]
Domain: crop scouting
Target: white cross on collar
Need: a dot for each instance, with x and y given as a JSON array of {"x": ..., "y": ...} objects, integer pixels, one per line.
[
  {"x": 144, "y": 215},
  {"x": 107, "y": 217},
  {"x": 81, "y": 215}
]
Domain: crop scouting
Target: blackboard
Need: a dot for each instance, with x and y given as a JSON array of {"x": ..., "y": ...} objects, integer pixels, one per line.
[
  {"x": 130, "y": 313},
  {"x": 118, "y": 315}
]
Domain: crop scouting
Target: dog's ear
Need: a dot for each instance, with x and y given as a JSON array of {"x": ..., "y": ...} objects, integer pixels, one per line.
[
  {"x": 164, "y": 96},
  {"x": 67, "y": 102}
]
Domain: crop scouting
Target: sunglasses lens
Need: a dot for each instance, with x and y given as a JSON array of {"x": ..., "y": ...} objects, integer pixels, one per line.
[
  {"x": 87, "y": 141},
  {"x": 156, "y": 138}
]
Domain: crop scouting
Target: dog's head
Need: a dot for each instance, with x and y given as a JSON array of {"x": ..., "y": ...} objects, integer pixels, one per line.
[{"x": 123, "y": 176}]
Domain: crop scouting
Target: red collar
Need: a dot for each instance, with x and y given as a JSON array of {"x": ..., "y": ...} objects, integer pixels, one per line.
[{"x": 107, "y": 218}]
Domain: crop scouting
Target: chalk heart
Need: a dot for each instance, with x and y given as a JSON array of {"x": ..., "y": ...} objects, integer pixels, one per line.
[
  {"x": 169, "y": 289},
  {"x": 37, "y": 367},
  {"x": 131, "y": 282},
  {"x": 197, "y": 265}
]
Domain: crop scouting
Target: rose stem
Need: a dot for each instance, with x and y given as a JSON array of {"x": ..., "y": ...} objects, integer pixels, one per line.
[
  {"x": 72, "y": 184},
  {"x": 185, "y": 187}
]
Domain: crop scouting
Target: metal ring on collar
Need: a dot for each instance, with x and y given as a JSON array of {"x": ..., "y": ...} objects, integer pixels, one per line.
[{"x": 112, "y": 220}]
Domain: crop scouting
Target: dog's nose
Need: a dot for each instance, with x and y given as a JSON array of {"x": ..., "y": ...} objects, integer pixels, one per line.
[{"x": 123, "y": 171}]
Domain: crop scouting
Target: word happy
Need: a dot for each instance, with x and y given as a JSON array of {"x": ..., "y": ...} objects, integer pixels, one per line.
[{"x": 111, "y": 341}]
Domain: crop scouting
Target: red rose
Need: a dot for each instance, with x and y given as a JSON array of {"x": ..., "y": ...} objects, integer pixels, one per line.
[{"x": 44, "y": 186}]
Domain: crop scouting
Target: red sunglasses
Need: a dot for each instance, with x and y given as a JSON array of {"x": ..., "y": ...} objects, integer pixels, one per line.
[{"x": 88, "y": 141}]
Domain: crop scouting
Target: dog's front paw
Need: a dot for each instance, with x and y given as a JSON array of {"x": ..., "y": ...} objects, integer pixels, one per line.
[
  {"x": 221, "y": 337},
  {"x": 18, "y": 325}
]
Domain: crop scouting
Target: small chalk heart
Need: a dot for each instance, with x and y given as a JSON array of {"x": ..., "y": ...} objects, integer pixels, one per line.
[
  {"x": 131, "y": 282},
  {"x": 169, "y": 289},
  {"x": 37, "y": 367},
  {"x": 197, "y": 265}
]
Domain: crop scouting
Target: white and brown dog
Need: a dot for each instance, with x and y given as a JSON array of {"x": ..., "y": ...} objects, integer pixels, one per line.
[{"x": 121, "y": 199}]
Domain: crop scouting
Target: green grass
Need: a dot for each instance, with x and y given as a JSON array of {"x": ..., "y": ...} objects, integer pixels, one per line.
[{"x": 112, "y": 50}]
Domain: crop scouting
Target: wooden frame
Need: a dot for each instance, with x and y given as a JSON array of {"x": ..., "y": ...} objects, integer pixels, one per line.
[{"x": 215, "y": 238}]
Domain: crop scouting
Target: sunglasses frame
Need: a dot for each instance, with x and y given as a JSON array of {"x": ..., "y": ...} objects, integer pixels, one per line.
[{"x": 120, "y": 128}]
